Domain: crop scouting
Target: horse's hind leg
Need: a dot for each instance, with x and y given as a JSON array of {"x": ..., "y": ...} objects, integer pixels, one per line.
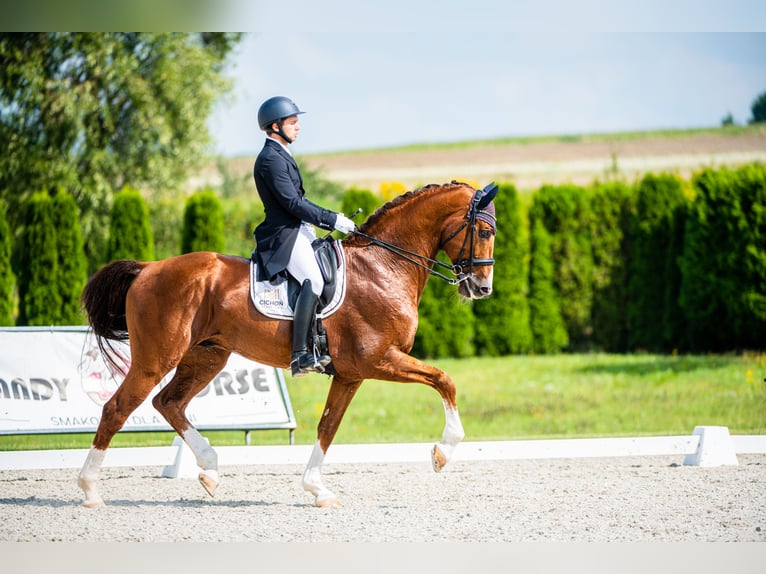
[
  {"x": 132, "y": 392},
  {"x": 196, "y": 369},
  {"x": 338, "y": 399}
]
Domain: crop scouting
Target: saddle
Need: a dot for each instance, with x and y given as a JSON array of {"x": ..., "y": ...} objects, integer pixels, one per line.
[{"x": 277, "y": 298}]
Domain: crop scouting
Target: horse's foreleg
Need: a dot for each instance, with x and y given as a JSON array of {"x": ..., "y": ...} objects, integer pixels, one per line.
[
  {"x": 88, "y": 478},
  {"x": 196, "y": 369},
  {"x": 452, "y": 435},
  {"x": 312, "y": 480},
  {"x": 338, "y": 399},
  {"x": 401, "y": 367}
]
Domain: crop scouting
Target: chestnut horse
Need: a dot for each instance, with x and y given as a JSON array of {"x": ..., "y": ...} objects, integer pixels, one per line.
[{"x": 192, "y": 311}]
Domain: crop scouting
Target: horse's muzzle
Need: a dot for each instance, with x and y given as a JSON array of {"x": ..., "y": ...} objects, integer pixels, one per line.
[{"x": 475, "y": 288}]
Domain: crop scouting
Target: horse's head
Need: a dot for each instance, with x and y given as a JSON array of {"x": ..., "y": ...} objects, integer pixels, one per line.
[
  {"x": 471, "y": 244},
  {"x": 454, "y": 218}
]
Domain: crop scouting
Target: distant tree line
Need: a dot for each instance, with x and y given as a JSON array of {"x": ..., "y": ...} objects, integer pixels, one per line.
[{"x": 46, "y": 267}]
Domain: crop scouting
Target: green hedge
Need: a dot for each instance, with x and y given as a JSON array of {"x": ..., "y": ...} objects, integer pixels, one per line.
[
  {"x": 549, "y": 334},
  {"x": 362, "y": 199},
  {"x": 723, "y": 288},
  {"x": 654, "y": 318},
  {"x": 36, "y": 264},
  {"x": 564, "y": 212},
  {"x": 203, "y": 223},
  {"x": 72, "y": 264},
  {"x": 611, "y": 210},
  {"x": 662, "y": 264},
  {"x": 130, "y": 232},
  {"x": 445, "y": 322}
]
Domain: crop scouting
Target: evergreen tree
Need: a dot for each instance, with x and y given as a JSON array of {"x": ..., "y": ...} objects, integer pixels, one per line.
[
  {"x": 72, "y": 265},
  {"x": 759, "y": 109},
  {"x": 241, "y": 216},
  {"x": 549, "y": 333},
  {"x": 502, "y": 320},
  {"x": 36, "y": 264},
  {"x": 445, "y": 322},
  {"x": 203, "y": 224},
  {"x": 611, "y": 208},
  {"x": 654, "y": 317},
  {"x": 362, "y": 199},
  {"x": 751, "y": 269},
  {"x": 166, "y": 215},
  {"x": 564, "y": 211},
  {"x": 6, "y": 272},
  {"x": 751, "y": 306},
  {"x": 723, "y": 289},
  {"x": 130, "y": 234}
]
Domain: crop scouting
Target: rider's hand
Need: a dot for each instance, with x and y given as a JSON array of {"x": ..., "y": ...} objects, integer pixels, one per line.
[{"x": 344, "y": 224}]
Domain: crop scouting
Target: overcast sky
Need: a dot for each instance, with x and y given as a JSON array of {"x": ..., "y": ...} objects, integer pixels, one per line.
[{"x": 467, "y": 79}]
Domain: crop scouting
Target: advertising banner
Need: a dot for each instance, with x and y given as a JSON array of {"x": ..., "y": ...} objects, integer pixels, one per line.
[{"x": 54, "y": 380}]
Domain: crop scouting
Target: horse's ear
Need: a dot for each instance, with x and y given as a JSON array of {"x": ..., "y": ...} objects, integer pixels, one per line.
[{"x": 488, "y": 194}]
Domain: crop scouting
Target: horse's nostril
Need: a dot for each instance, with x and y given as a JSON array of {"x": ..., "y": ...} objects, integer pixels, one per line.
[{"x": 486, "y": 290}]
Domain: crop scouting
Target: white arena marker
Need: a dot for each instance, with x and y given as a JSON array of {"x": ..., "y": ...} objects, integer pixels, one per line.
[
  {"x": 715, "y": 448},
  {"x": 185, "y": 464}
]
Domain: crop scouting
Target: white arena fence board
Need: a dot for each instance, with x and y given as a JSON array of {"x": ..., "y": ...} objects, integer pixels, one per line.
[
  {"x": 179, "y": 461},
  {"x": 54, "y": 380},
  {"x": 749, "y": 444}
]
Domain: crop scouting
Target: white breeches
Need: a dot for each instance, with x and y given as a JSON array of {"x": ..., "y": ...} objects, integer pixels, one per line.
[{"x": 303, "y": 264}]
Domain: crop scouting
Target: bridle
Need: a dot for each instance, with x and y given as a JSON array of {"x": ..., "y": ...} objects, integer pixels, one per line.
[{"x": 476, "y": 210}]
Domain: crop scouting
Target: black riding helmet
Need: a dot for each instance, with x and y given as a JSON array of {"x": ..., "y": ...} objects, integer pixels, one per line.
[{"x": 275, "y": 110}]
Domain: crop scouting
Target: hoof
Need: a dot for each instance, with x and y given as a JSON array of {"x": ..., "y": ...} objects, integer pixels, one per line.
[
  {"x": 331, "y": 502},
  {"x": 438, "y": 458},
  {"x": 209, "y": 481},
  {"x": 94, "y": 503}
]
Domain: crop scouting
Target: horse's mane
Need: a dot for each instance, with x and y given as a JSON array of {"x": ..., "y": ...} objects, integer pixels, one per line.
[{"x": 396, "y": 203}]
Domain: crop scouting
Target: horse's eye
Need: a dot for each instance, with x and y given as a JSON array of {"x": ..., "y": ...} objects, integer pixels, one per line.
[{"x": 485, "y": 233}]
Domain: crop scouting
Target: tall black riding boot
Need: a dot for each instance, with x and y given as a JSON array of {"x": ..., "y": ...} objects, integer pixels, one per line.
[{"x": 302, "y": 360}]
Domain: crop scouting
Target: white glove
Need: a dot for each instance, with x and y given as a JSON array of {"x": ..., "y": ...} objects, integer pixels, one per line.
[{"x": 344, "y": 224}]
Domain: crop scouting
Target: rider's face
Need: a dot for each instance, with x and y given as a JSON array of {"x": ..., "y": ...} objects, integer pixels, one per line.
[{"x": 291, "y": 127}]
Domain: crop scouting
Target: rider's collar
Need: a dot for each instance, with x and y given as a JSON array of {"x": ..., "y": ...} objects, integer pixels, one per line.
[{"x": 284, "y": 147}]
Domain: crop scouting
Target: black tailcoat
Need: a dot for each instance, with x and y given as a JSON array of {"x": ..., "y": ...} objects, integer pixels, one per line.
[{"x": 280, "y": 186}]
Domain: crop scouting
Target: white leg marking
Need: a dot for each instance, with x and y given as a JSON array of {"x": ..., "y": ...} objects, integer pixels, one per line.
[
  {"x": 89, "y": 477},
  {"x": 312, "y": 479},
  {"x": 453, "y": 428},
  {"x": 207, "y": 459},
  {"x": 453, "y": 434}
]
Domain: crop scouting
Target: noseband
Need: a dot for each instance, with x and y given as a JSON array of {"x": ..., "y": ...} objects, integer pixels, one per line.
[{"x": 480, "y": 208}]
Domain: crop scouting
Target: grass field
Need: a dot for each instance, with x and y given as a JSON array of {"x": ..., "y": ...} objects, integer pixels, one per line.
[{"x": 519, "y": 397}]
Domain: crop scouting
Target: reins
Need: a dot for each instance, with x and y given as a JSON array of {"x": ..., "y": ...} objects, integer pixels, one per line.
[
  {"x": 410, "y": 255},
  {"x": 480, "y": 200}
]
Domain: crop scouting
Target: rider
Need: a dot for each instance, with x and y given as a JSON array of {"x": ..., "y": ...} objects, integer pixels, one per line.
[{"x": 283, "y": 239}]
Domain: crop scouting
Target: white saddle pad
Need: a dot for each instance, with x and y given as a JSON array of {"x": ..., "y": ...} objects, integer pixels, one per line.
[{"x": 271, "y": 298}]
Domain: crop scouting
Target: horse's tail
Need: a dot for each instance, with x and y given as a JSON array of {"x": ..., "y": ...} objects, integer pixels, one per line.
[{"x": 103, "y": 299}]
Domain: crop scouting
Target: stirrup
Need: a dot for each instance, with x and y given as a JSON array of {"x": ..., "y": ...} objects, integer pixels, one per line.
[{"x": 306, "y": 363}]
